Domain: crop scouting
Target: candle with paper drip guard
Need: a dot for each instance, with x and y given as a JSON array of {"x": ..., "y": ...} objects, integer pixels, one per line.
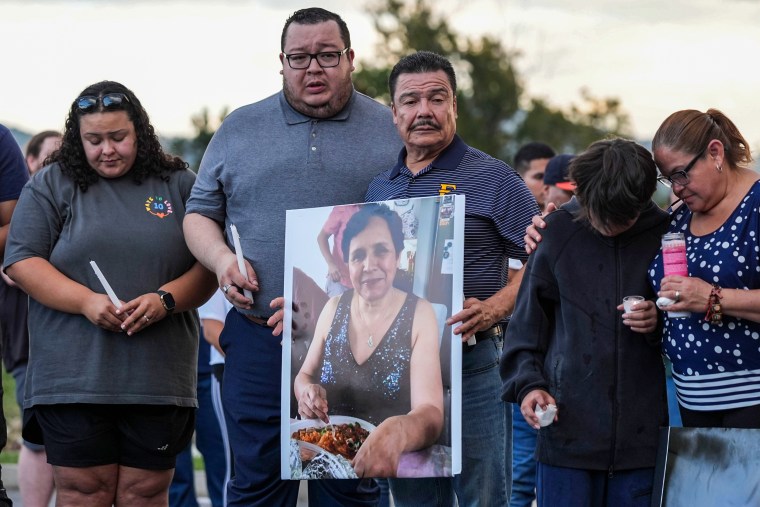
[
  {"x": 239, "y": 255},
  {"x": 105, "y": 284}
]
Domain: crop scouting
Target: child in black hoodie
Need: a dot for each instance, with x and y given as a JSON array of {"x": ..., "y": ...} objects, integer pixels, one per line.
[{"x": 570, "y": 345}]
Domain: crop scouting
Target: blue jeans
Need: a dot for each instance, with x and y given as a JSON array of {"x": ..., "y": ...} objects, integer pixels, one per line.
[
  {"x": 486, "y": 441},
  {"x": 208, "y": 440},
  {"x": 575, "y": 487},
  {"x": 251, "y": 401},
  {"x": 674, "y": 413},
  {"x": 523, "y": 462},
  {"x": 182, "y": 488}
]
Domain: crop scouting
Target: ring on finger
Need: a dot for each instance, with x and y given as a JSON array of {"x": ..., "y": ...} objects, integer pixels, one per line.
[
  {"x": 678, "y": 296},
  {"x": 226, "y": 288},
  {"x": 147, "y": 319}
]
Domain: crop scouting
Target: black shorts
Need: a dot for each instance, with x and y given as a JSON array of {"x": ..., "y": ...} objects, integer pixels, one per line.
[{"x": 84, "y": 435}]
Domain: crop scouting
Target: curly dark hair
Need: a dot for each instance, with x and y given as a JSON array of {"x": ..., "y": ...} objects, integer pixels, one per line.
[{"x": 151, "y": 159}]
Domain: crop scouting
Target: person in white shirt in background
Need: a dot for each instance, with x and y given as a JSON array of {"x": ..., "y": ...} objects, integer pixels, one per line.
[{"x": 212, "y": 315}]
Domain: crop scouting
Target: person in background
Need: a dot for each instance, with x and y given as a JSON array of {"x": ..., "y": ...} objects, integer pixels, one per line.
[
  {"x": 568, "y": 345},
  {"x": 13, "y": 176},
  {"x": 316, "y": 143},
  {"x": 35, "y": 474},
  {"x": 40, "y": 147},
  {"x": 530, "y": 162},
  {"x": 110, "y": 385},
  {"x": 705, "y": 159},
  {"x": 337, "y": 281},
  {"x": 208, "y": 440},
  {"x": 558, "y": 188},
  {"x": 435, "y": 161},
  {"x": 212, "y": 314}
]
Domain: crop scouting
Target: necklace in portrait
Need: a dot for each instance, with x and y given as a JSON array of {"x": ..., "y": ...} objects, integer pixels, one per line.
[{"x": 369, "y": 331}]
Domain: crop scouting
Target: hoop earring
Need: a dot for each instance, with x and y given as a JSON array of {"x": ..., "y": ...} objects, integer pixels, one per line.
[{"x": 719, "y": 168}]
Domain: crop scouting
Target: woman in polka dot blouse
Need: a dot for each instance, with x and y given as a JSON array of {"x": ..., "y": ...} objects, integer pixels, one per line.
[{"x": 715, "y": 351}]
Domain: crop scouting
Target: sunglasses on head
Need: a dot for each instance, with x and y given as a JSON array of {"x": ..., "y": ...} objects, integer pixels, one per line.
[{"x": 88, "y": 103}]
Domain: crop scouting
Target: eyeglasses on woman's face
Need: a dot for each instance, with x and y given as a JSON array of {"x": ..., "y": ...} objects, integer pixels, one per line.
[
  {"x": 680, "y": 177},
  {"x": 89, "y": 103}
]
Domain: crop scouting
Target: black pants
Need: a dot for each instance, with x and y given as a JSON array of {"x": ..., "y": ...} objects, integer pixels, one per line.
[{"x": 744, "y": 417}]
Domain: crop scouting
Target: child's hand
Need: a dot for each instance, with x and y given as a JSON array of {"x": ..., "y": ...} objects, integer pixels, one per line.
[
  {"x": 536, "y": 397},
  {"x": 643, "y": 318}
]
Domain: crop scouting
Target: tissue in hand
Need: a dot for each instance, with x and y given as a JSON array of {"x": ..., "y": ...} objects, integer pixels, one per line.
[
  {"x": 545, "y": 417},
  {"x": 663, "y": 301}
]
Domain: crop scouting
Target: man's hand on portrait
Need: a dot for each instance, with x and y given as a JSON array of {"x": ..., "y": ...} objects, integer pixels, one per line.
[{"x": 476, "y": 315}]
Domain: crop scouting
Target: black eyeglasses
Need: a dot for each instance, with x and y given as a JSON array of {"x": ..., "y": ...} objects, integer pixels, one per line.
[
  {"x": 325, "y": 60},
  {"x": 87, "y": 103},
  {"x": 680, "y": 177}
]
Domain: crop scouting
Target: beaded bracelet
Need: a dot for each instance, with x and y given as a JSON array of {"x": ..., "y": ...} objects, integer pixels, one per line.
[{"x": 713, "y": 312}]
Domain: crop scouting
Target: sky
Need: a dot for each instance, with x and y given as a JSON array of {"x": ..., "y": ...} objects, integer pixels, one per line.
[{"x": 180, "y": 56}]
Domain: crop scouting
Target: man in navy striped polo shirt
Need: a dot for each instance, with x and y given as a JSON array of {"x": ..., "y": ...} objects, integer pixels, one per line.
[{"x": 436, "y": 161}]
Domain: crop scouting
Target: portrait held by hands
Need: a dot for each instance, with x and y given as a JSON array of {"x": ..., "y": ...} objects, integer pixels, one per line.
[{"x": 373, "y": 384}]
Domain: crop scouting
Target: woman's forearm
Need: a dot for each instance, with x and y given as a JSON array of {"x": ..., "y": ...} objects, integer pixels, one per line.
[
  {"x": 191, "y": 289},
  {"x": 744, "y": 304},
  {"x": 47, "y": 285},
  {"x": 421, "y": 427}
]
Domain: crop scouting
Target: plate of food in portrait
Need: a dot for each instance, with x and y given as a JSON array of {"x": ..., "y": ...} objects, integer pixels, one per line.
[{"x": 325, "y": 451}]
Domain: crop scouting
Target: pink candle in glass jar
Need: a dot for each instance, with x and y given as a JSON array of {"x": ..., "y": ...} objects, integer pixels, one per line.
[{"x": 674, "y": 261}]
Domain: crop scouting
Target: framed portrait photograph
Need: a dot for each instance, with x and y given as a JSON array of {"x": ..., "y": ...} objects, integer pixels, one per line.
[{"x": 371, "y": 372}]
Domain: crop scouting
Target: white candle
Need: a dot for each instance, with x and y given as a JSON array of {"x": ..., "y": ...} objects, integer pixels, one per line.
[
  {"x": 239, "y": 255},
  {"x": 106, "y": 285}
]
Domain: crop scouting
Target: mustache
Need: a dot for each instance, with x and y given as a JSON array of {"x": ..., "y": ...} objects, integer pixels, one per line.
[{"x": 426, "y": 123}]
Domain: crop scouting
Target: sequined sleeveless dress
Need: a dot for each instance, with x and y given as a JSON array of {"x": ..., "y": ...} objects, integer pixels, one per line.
[{"x": 380, "y": 387}]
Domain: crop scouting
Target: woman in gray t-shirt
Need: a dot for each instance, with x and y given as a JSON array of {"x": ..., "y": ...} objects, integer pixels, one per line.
[{"x": 110, "y": 387}]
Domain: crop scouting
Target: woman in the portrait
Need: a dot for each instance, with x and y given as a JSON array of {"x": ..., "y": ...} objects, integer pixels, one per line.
[{"x": 375, "y": 352}]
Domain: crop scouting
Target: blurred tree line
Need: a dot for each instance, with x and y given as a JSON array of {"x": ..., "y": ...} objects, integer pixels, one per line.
[
  {"x": 191, "y": 150},
  {"x": 494, "y": 112}
]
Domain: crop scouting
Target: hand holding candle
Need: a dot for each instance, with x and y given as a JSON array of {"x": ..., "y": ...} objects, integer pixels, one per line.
[
  {"x": 106, "y": 285},
  {"x": 240, "y": 261},
  {"x": 674, "y": 263}
]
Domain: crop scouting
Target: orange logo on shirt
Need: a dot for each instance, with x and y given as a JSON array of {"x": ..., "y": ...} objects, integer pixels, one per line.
[
  {"x": 446, "y": 188},
  {"x": 156, "y": 205}
]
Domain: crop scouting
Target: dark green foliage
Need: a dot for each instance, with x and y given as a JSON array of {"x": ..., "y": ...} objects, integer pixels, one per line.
[{"x": 494, "y": 113}]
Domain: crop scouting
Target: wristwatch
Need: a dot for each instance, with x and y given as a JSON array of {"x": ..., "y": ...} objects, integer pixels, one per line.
[{"x": 167, "y": 300}]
